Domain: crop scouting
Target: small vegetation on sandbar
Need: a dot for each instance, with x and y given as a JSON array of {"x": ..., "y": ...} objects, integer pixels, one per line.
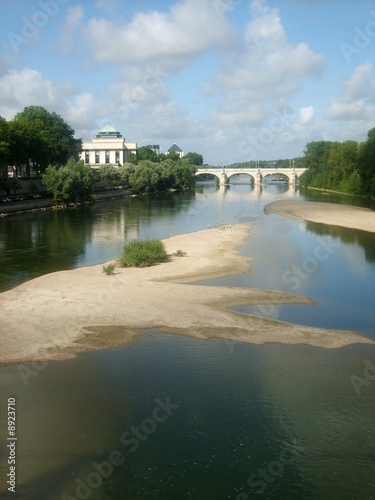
[
  {"x": 179, "y": 253},
  {"x": 109, "y": 269},
  {"x": 143, "y": 253}
]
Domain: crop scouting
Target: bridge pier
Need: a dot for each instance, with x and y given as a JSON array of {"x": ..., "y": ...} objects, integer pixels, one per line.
[
  {"x": 258, "y": 178},
  {"x": 223, "y": 178}
]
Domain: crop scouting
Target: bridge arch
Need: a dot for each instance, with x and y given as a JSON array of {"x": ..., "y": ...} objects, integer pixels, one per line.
[
  {"x": 210, "y": 172},
  {"x": 257, "y": 174},
  {"x": 279, "y": 174},
  {"x": 248, "y": 174}
]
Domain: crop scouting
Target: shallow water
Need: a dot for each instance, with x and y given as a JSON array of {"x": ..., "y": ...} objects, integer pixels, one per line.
[{"x": 242, "y": 421}]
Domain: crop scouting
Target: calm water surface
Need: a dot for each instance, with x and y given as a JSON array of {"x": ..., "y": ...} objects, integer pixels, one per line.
[{"x": 182, "y": 418}]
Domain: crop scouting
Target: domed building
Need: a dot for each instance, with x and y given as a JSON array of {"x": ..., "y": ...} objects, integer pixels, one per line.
[{"x": 107, "y": 147}]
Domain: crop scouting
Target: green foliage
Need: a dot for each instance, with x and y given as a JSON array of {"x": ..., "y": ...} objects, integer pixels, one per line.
[
  {"x": 4, "y": 146},
  {"x": 179, "y": 253},
  {"x": 37, "y": 137},
  {"x": 150, "y": 177},
  {"x": 143, "y": 253},
  {"x": 70, "y": 183},
  {"x": 194, "y": 159},
  {"x": 110, "y": 174},
  {"x": 347, "y": 167},
  {"x": 10, "y": 184},
  {"x": 173, "y": 156},
  {"x": 146, "y": 153},
  {"x": 132, "y": 158},
  {"x": 367, "y": 164},
  {"x": 109, "y": 269}
]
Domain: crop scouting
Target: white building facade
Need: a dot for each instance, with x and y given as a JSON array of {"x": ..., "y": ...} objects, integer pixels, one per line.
[{"x": 108, "y": 147}]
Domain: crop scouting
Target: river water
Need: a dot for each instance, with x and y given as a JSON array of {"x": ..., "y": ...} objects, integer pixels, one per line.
[{"x": 173, "y": 418}]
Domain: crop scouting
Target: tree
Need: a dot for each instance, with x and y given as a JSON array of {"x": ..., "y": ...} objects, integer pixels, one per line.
[
  {"x": 346, "y": 167},
  {"x": 173, "y": 156},
  {"x": 149, "y": 177},
  {"x": 4, "y": 147},
  {"x": 110, "y": 174},
  {"x": 194, "y": 159},
  {"x": 125, "y": 173},
  {"x": 315, "y": 159},
  {"x": 43, "y": 138},
  {"x": 366, "y": 163},
  {"x": 132, "y": 158},
  {"x": 71, "y": 183},
  {"x": 146, "y": 153},
  {"x": 10, "y": 184}
]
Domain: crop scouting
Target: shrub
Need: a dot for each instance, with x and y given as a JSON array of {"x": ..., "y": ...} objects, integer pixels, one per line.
[
  {"x": 143, "y": 253},
  {"x": 179, "y": 253},
  {"x": 109, "y": 269}
]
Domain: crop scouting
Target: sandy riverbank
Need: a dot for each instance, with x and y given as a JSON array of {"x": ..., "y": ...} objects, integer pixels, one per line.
[
  {"x": 59, "y": 314},
  {"x": 326, "y": 213}
]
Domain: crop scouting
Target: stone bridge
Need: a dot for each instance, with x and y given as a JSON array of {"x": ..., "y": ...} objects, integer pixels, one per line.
[{"x": 257, "y": 174}]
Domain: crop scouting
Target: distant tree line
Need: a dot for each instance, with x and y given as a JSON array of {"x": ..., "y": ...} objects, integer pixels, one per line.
[
  {"x": 348, "y": 167},
  {"x": 34, "y": 139},
  {"x": 281, "y": 163},
  {"x": 147, "y": 153}
]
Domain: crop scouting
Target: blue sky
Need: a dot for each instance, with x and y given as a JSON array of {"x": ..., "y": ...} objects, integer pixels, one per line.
[{"x": 234, "y": 80}]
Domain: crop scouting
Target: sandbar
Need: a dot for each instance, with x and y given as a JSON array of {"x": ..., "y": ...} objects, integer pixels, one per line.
[
  {"x": 326, "y": 213},
  {"x": 60, "y": 314}
]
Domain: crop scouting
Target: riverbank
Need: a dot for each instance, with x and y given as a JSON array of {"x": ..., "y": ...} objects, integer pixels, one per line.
[
  {"x": 326, "y": 213},
  {"x": 60, "y": 314},
  {"x": 43, "y": 204}
]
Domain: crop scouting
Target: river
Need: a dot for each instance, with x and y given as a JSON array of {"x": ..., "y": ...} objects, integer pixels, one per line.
[{"x": 172, "y": 418}]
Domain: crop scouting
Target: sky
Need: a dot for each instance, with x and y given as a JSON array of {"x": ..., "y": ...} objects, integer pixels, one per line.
[{"x": 233, "y": 80}]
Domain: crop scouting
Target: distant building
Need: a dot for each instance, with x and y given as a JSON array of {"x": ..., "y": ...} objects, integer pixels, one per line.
[
  {"x": 107, "y": 147},
  {"x": 176, "y": 149}
]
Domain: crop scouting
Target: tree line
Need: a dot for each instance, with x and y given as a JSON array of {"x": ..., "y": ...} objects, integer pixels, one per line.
[
  {"x": 147, "y": 153},
  {"x": 74, "y": 182},
  {"x": 347, "y": 167}
]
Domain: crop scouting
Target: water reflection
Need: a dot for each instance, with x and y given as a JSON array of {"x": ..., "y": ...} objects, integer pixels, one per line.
[
  {"x": 365, "y": 240},
  {"x": 237, "y": 411},
  {"x": 36, "y": 244}
]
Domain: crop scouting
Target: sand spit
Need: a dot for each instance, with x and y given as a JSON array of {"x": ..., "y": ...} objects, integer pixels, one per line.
[
  {"x": 57, "y": 315},
  {"x": 326, "y": 213}
]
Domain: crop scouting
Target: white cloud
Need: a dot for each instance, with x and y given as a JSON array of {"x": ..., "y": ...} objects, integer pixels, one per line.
[
  {"x": 306, "y": 114},
  {"x": 28, "y": 87},
  {"x": 357, "y": 101},
  {"x": 82, "y": 111},
  {"x": 270, "y": 68},
  {"x": 72, "y": 25},
  {"x": 258, "y": 83},
  {"x": 137, "y": 88},
  {"x": 188, "y": 29}
]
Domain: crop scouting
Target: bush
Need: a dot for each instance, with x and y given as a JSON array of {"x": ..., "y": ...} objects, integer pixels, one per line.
[
  {"x": 109, "y": 269},
  {"x": 143, "y": 253},
  {"x": 179, "y": 253}
]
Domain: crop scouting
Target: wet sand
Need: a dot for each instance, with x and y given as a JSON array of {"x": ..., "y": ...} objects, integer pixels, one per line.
[
  {"x": 326, "y": 213},
  {"x": 60, "y": 314}
]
